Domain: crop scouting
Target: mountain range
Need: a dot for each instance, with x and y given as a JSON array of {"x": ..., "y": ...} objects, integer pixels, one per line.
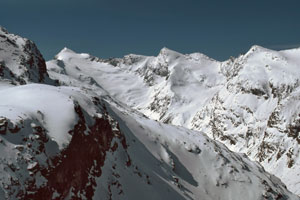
[{"x": 174, "y": 126}]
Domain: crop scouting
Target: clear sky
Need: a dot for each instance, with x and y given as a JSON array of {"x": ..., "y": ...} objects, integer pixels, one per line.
[{"x": 113, "y": 28}]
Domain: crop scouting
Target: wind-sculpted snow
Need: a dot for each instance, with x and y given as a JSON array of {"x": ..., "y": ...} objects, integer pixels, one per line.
[
  {"x": 238, "y": 102},
  {"x": 95, "y": 137}
]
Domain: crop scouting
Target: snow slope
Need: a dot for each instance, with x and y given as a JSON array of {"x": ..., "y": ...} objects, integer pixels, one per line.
[
  {"x": 191, "y": 163},
  {"x": 244, "y": 102}
]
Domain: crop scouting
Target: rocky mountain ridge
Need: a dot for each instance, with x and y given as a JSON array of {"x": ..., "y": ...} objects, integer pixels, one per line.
[{"x": 20, "y": 60}]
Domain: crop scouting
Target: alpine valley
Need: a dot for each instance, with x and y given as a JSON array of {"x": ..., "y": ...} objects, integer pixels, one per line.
[{"x": 174, "y": 126}]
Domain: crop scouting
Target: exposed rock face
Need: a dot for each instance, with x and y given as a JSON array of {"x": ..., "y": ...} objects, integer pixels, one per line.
[
  {"x": 20, "y": 60},
  {"x": 73, "y": 172}
]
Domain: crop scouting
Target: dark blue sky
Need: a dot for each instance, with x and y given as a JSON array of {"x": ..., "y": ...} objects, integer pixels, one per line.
[{"x": 113, "y": 28}]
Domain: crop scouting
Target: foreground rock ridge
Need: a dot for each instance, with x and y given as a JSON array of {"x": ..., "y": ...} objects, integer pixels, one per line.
[{"x": 168, "y": 127}]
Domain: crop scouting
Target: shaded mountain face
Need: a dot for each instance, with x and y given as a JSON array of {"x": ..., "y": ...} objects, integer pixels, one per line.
[{"x": 94, "y": 136}]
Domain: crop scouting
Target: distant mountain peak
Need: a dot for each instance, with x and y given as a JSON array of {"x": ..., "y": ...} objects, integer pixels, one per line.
[
  {"x": 65, "y": 51},
  {"x": 169, "y": 53},
  {"x": 257, "y": 48}
]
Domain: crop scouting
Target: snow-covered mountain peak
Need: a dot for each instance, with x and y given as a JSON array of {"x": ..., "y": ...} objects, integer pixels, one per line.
[
  {"x": 169, "y": 54},
  {"x": 65, "y": 50},
  {"x": 200, "y": 56},
  {"x": 67, "y": 54},
  {"x": 256, "y": 48},
  {"x": 261, "y": 53}
]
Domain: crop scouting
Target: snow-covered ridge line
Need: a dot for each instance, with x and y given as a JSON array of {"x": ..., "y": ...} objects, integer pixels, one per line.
[{"x": 165, "y": 51}]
